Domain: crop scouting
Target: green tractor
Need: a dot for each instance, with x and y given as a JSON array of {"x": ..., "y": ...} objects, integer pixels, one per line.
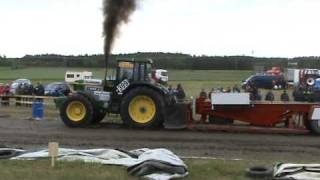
[{"x": 132, "y": 93}]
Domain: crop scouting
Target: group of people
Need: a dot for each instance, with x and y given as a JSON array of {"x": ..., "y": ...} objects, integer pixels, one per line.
[
  {"x": 204, "y": 94},
  {"x": 24, "y": 89},
  {"x": 256, "y": 95},
  {"x": 28, "y": 89},
  {"x": 178, "y": 92}
]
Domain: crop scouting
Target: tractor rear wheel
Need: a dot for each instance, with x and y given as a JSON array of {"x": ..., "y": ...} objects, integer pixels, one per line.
[
  {"x": 77, "y": 111},
  {"x": 142, "y": 108}
]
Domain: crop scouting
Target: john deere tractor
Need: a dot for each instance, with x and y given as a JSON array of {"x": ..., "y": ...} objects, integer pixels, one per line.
[{"x": 132, "y": 93}]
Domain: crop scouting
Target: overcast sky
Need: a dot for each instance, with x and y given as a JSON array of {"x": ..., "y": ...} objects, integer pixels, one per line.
[{"x": 281, "y": 28}]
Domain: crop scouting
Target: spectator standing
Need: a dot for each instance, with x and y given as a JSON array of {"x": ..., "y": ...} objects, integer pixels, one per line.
[
  {"x": 180, "y": 93},
  {"x": 39, "y": 89},
  {"x": 6, "y": 92},
  {"x": 269, "y": 96},
  {"x": 236, "y": 89},
  {"x": 284, "y": 96},
  {"x": 203, "y": 94}
]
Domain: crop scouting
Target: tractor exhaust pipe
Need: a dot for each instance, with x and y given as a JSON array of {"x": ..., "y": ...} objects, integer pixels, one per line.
[{"x": 115, "y": 13}]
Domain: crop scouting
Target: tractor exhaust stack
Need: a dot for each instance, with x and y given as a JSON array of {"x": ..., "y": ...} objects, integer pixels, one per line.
[{"x": 115, "y": 13}]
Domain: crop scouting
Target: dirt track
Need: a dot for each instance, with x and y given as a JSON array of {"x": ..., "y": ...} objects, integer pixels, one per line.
[{"x": 27, "y": 134}]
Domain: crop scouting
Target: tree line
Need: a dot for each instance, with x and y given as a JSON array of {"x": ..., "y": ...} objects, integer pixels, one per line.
[{"x": 162, "y": 60}]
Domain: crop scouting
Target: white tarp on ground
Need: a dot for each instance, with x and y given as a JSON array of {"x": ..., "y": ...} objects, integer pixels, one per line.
[
  {"x": 297, "y": 171},
  {"x": 157, "y": 164}
]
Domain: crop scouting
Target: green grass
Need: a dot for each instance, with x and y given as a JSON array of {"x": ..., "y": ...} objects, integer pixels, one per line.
[
  {"x": 208, "y": 75},
  {"x": 53, "y": 74},
  {"x": 38, "y": 170},
  {"x": 218, "y": 169},
  {"x": 41, "y": 74},
  {"x": 192, "y": 80}
]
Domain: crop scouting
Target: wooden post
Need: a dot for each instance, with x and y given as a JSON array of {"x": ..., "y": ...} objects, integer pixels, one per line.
[{"x": 53, "y": 148}]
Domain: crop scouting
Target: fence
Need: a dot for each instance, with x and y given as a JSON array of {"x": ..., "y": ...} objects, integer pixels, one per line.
[{"x": 27, "y": 101}]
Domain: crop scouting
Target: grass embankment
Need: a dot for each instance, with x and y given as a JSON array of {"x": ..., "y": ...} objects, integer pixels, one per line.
[{"x": 38, "y": 170}]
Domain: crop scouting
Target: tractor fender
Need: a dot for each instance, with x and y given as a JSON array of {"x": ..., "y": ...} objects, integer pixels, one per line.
[
  {"x": 88, "y": 95},
  {"x": 95, "y": 102},
  {"x": 60, "y": 100},
  {"x": 161, "y": 90}
]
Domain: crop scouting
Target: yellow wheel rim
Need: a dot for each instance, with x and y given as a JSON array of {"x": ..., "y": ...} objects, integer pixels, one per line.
[
  {"x": 76, "y": 111},
  {"x": 142, "y": 109}
]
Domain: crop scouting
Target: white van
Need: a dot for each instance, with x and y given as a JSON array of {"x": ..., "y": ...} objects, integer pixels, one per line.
[
  {"x": 162, "y": 75},
  {"x": 71, "y": 77}
]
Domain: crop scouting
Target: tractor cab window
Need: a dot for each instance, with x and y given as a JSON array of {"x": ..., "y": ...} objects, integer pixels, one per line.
[
  {"x": 149, "y": 71},
  {"x": 142, "y": 71},
  {"x": 125, "y": 71}
]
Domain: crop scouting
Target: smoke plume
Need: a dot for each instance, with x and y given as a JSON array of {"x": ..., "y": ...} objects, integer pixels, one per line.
[{"x": 116, "y": 12}]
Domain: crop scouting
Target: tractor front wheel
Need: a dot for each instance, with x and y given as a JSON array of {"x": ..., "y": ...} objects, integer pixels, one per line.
[
  {"x": 142, "y": 108},
  {"x": 76, "y": 111}
]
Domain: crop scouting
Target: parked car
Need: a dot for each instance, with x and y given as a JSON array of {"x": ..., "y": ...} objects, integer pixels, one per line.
[
  {"x": 266, "y": 81},
  {"x": 2, "y": 87},
  {"x": 19, "y": 82},
  {"x": 57, "y": 89}
]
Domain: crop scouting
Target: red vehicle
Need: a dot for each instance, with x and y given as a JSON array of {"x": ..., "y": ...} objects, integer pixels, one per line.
[{"x": 4, "y": 89}]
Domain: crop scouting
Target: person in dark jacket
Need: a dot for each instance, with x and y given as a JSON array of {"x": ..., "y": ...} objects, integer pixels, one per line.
[
  {"x": 203, "y": 94},
  {"x": 253, "y": 90},
  {"x": 236, "y": 89},
  {"x": 39, "y": 89},
  {"x": 284, "y": 96},
  {"x": 180, "y": 93},
  {"x": 269, "y": 96}
]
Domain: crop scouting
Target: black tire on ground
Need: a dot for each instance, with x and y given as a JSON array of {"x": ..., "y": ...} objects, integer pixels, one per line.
[
  {"x": 220, "y": 121},
  {"x": 314, "y": 127},
  {"x": 98, "y": 115},
  {"x": 157, "y": 99},
  {"x": 89, "y": 111},
  {"x": 259, "y": 172}
]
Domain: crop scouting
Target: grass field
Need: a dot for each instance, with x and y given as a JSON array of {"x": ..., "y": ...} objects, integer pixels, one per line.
[
  {"x": 37, "y": 170},
  {"x": 192, "y": 80},
  {"x": 57, "y": 74}
]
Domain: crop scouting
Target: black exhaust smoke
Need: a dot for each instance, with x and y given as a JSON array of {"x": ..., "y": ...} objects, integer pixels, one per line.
[{"x": 116, "y": 12}]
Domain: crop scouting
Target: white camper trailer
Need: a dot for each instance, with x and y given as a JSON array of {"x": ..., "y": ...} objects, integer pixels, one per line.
[{"x": 71, "y": 77}]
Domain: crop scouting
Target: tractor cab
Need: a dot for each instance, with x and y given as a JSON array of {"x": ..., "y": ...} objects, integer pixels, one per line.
[
  {"x": 129, "y": 71},
  {"x": 134, "y": 70}
]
